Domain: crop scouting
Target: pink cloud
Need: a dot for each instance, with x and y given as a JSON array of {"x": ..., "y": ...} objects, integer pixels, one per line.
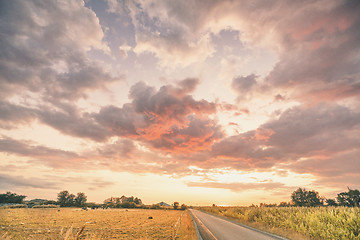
[{"x": 168, "y": 119}]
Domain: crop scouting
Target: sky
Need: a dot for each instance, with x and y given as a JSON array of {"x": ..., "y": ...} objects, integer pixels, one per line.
[{"x": 201, "y": 102}]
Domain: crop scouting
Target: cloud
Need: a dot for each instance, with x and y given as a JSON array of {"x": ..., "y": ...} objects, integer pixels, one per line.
[
  {"x": 77, "y": 82},
  {"x": 159, "y": 31},
  {"x": 338, "y": 170},
  {"x": 187, "y": 85},
  {"x": 47, "y": 66},
  {"x": 168, "y": 102},
  {"x": 10, "y": 182},
  {"x": 71, "y": 121},
  {"x": 97, "y": 184},
  {"x": 239, "y": 187},
  {"x": 245, "y": 150},
  {"x": 55, "y": 158},
  {"x": 121, "y": 149},
  {"x": 44, "y": 182},
  {"x": 320, "y": 132},
  {"x": 339, "y": 165},
  {"x": 44, "y": 49},
  {"x": 168, "y": 119},
  {"x": 244, "y": 85},
  {"x": 314, "y": 40},
  {"x": 318, "y": 62},
  {"x": 322, "y": 129},
  {"x": 12, "y": 115},
  {"x": 67, "y": 119}
]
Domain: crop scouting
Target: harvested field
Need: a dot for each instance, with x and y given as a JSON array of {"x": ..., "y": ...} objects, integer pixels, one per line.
[{"x": 72, "y": 223}]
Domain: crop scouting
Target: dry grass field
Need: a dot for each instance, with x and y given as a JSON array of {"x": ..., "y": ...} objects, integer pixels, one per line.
[
  {"x": 298, "y": 222},
  {"x": 73, "y": 223}
]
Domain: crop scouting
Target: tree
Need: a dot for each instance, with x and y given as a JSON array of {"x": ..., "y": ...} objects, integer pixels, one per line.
[
  {"x": 183, "y": 207},
  {"x": 123, "y": 201},
  {"x": 176, "y": 205},
  {"x": 331, "y": 202},
  {"x": 284, "y": 204},
  {"x": 137, "y": 201},
  {"x": 313, "y": 199},
  {"x": 65, "y": 199},
  {"x": 10, "y": 197},
  {"x": 299, "y": 197},
  {"x": 80, "y": 199},
  {"x": 349, "y": 199},
  {"x": 304, "y": 198}
]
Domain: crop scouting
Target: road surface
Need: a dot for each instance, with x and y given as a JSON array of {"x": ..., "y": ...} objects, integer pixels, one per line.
[{"x": 212, "y": 228}]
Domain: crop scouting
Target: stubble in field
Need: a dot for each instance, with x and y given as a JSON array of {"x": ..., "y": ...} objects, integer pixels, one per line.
[{"x": 99, "y": 224}]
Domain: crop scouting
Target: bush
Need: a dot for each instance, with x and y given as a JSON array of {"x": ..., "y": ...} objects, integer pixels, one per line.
[
  {"x": 46, "y": 206},
  {"x": 156, "y": 206},
  {"x": 13, "y": 206},
  {"x": 183, "y": 207},
  {"x": 10, "y": 197},
  {"x": 128, "y": 205}
]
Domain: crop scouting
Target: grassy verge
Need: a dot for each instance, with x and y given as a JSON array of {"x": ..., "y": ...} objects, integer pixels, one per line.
[
  {"x": 297, "y": 223},
  {"x": 72, "y": 223},
  {"x": 186, "y": 229}
]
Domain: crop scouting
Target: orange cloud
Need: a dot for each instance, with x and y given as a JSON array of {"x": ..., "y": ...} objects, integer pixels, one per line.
[{"x": 263, "y": 134}]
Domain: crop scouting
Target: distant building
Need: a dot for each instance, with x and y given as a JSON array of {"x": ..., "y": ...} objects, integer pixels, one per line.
[{"x": 163, "y": 204}]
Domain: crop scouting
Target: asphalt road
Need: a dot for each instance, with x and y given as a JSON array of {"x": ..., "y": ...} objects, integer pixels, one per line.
[{"x": 212, "y": 228}]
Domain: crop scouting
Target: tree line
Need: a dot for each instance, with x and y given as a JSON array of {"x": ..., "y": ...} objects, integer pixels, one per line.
[
  {"x": 10, "y": 197},
  {"x": 299, "y": 198},
  {"x": 66, "y": 199},
  {"x": 305, "y": 198}
]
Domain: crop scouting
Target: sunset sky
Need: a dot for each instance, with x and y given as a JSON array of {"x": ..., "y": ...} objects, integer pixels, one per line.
[{"x": 200, "y": 102}]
